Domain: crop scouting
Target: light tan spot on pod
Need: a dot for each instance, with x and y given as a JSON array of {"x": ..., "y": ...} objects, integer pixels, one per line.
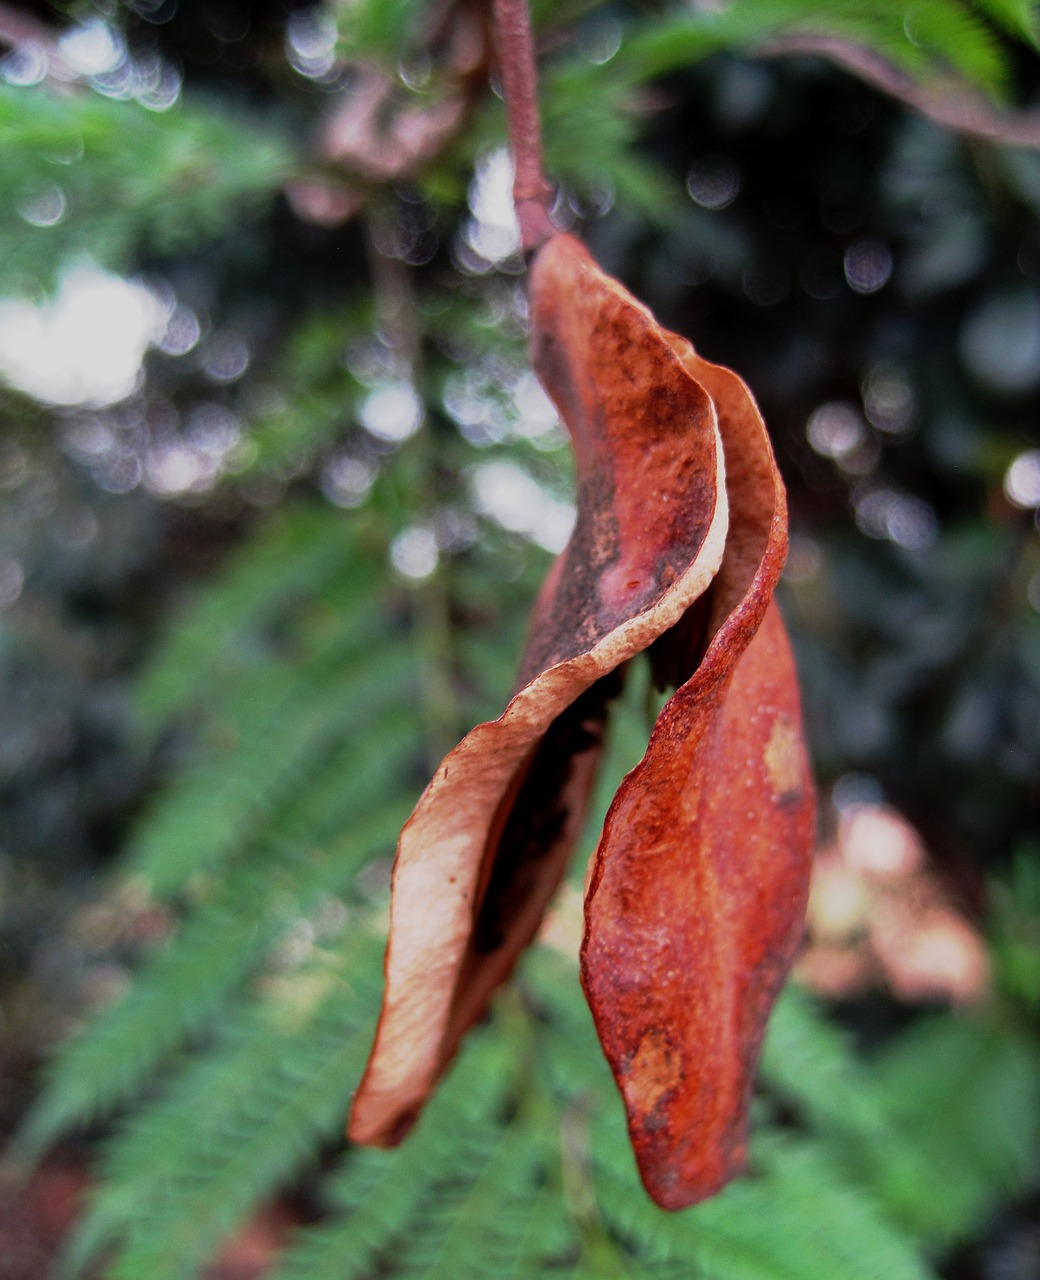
[
  {"x": 654, "y": 1070},
  {"x": 783, "y": 760}
]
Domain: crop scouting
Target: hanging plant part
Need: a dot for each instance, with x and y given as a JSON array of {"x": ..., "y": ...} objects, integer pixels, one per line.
[
  {"x": 698, "y": 887},
  {"x": 488, "y": 841}
]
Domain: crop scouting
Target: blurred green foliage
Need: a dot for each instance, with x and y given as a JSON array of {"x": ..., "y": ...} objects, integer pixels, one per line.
[
  {"x": 292, "y": 537},
  {"x": 128, "y": 178}
]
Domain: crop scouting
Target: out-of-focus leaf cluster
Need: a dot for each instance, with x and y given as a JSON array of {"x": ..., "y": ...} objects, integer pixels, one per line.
[{"x": 84, "y": 174}]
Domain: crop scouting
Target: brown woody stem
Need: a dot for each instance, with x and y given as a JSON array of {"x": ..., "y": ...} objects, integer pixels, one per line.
[
  {"x": 532, "y": 194},
  {"x": 958, "y": 108}
]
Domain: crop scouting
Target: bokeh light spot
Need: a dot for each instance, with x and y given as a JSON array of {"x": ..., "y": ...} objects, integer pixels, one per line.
[
  {"x": 713, "y": 182},
  {"x": 414, "y": 553},
  {"x": 515, "y": 500},
  {"x": 1000, "y": 342},
  {"x": 392, "y": 413},
  {"x": 1022, "y": 480},
  {"x": 868, "y": 265}
]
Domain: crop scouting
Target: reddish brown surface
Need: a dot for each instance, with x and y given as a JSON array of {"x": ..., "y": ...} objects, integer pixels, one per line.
[
  {"x": 35, "y": 1216},
  {"x": 39, "y": 1212},
  {"x": 487, "y": 844},
  {"x": 255, "y": 1249},
  {"x": 882, "y": 916},
  {"x": 697, "y": 893},
  {"x": 698, "y": 887}
]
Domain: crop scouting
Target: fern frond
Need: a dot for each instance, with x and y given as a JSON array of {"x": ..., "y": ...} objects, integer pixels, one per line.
[
  {"x": 1015, "y": 929},
  {"x": 1019, "y": 18},
  {"x": 962, "y": 40},
  {"x": 378, "y": 1195},
  {"x": 844, "y": 1231},
  {"x": 796, "y": 1220},
  {"x": 802, "y": 1215},
  {"x": 810, "y": 1064},
  {"x": 186, "y": 985},
  {"x": 188, "y": 1168},
  {"x": 965, "y": 1093},
  {"x": 385, "y": 1191},
  {"x": 282, "y": 565},
  {"x": 548, "y": 1238},
  {"x": 928, "y": 39},
  {"x": 472, "y": 1229},
  {"x": 590, "y": 136},
  {"x": 283, "y": 729},
  {"x": 166, "y": 180},
  {"x": 935, "y": 1128},
  {"x": 318, "y": 394}
]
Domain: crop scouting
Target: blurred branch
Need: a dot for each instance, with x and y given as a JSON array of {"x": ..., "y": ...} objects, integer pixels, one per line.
[
  {"x": 960, "y": 109},
  {"x": 371, "y": 133},
  {"x": 368, "y": 136},
  {"x": 377, "y": 132}
]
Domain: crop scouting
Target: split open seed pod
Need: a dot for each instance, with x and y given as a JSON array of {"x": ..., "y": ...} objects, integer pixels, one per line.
[{"x": 698, "y": 885}]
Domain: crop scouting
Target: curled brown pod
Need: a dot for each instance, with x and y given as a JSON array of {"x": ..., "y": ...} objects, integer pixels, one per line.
[{"x": 698, "y": 885}]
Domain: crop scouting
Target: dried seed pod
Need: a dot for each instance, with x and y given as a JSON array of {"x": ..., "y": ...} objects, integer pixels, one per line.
[
  {"x": 698, "y": 885},
  {"x": 488, "y": 841}
]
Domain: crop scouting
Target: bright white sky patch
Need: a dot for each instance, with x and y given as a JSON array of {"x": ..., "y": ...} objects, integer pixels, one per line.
[
  {"x": 508, "y": 494},
  {"x": 537, "y": 414},
  {"x": 494, "y": 232},
  {"x": 92, "y": 48},
  {"x": 85, "y": 346}
]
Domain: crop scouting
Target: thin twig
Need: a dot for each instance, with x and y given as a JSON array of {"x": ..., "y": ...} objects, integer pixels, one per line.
[
  {"x": 532, "y": 194},
  {"x": 958, "y": 109}
]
